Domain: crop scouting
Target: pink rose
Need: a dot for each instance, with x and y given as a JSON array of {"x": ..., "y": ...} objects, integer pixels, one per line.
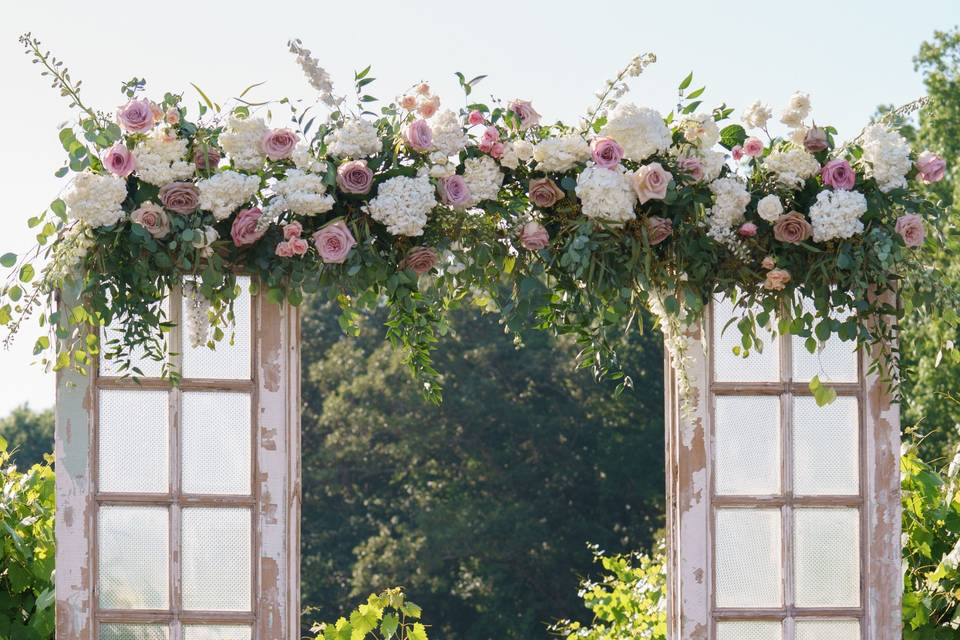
[
  {"x": 534, "y": 236},
  {"x": 496, "y": 151},
  {"x": 650, "y": 182},
  {"x": 769, "y": 262},
  {"x": 299, "y": 246},
  {"x": 931, "y": 167},
  {"x": 815, "y": 140},
  {"x": 747, "y": 230},
  {"x": 490, "y": 134},
  {"x": 153, "y": 218},
  {"x": 606, "y": 152},
  {"x": 454, "y": 191},
  {"x": 429, "y": 107},
  {"x": 284, "y": 250},
  {"x": 544, "y": 192},
  {"x": 475, "y": 117},
  {"x": 423, "y": 89},
  {"x": 737, "y": 153},
  {"x": 172, "y": 116},
  {"x": 419, "y": 260},
  {"x": 119, "y": 161},
  {"x": 278, "y": 144},
  {"x": 910, "y": 228},
  {"x": 692, "y": 167},
  {"x": 137, "y": 116},
  {"x": 525, "y": 113},
  {"x": 408, "y": 102},
  {"x": 777, "y": 279},
  {"x": 244, "y": 230},
  {"x": 838, "y": 174},
  {"x": 206, "y": 158},
  {"x": 792, "y": 228},
  {"x": 355, "y": 177},
  {"x": 334, "y": 242},
  {"x": 753, "y": 147},
  {"x": 419, "y": 136},
  {"x": 658, "y": 229},
  {"x": 180, "y": 197},
  {"x": 292, "y": 230}
]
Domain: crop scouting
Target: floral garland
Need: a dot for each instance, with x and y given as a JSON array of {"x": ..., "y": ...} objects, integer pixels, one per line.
[{"x": 423, "y": 208}]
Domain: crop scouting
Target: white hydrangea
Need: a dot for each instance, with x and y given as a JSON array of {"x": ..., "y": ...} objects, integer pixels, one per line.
[
  {"x": 402, "y": 204},
  {"x": 606, "y": 195},
  {"x": 304, "y": 160},
  {"x": 730, "y": 203},
  {"x": 355, "y": 139},
  {"x": 792, "y": 167},
  {"x": 561, "y": 153},
  {"x": 304, "y": 194},
  {"x": 756, "y": 115},
  {"x": 712, "y": 162},
  {"x": 639, "y": 130},
  {"x": 700, "y": 129},
  {"x": 241, "y": 141},
  {"x": 483, "y": 178},
  {"x": 523, "y": 149},
  {"x": 223, "y": 193},
  {"x": 836, "y": 214},
  {"x": 96, "y": 199},
  {"x": 449, "y": 138},
  {"x": 797, "y": 110},
  {"x": 887, "y": 155},
  {"x": 770, "y": 208},
  {"x": 160, "y": 160}
]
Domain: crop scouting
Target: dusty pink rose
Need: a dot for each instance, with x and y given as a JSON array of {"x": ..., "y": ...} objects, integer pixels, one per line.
[
  {"x": 423, "y": 88},
  {"x": 334, "y": 242},
  {"x": 606, "y": 152},
  {"x": 658, "y": 229},
  {"x": 137, "y": 116},
  {"x": 534, "y": 236},
  {"x": 419, "y": 136},
  {"x": 815, "y": 140},
  {"x": 931, "y": 167},
  {"x": 544, "y": 192},
  {"x": 737, "y": 152},
  {"x": 299, "y": 246},
  {"x": 244, "y": 230},
  {"x": 650, "y": 182},
  {"x": 910, "y": 228},
  {"x": 408, "y": 102},
  {"x": 429, "y": 107},
  {"x": 419, "y": 260},
  {"x": 284, "y": 249},
  {"x": 838, "y": 174},
  {"x": 355, "y": 177},
  {"x": 206, "y": 158},
  {"x": 753, "y": 147},
  {"x": 777, "y": 279},
  {"x": 180, "y": 197},
  {"x": 692, "y": 167},
  {"x": 525, "y": 113},
  {"x": 792, "y": 228},
  {"x": 769, "y": 262},
  {"x": 153, "y": 218},
  {"x": 172, "y": 116},
  {"x": 475, "y": 117},
  {"x": 119, "y": 160},
  {"x": 292, "y": 230},
  {"x": 747, "y": 230},
  {"x": 278, "y": 144},
  {"x": 454, "y": 191}
]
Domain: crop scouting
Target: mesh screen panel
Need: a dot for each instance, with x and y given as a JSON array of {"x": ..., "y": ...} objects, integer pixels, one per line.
[
  {"x": 833, "y": 361},
  {"x": 746, "y": 445},
  {"x": 827, "y": 630},
  {"x": 748, "y": 558},
  {"x": 826, "y": 447},
  {"x": 216, "y": 442},
  {"x": 729, "y": 367},
  {"x": 227, "y": 361},
  {"x": 133, "y": 436},
  {"x": 221, "y": 632},
  {"x": 216, "y": 557},
  {"x": 148, "y": 368},
  {"x": 749, "y": 630},
  {"x": 133, "y": 632},
  {"x": 133, "y": 557},
  {"x": 827, "y": 557}
]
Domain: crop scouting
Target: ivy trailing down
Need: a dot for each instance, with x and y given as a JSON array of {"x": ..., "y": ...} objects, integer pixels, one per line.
[{"x": 420, "y": 208}]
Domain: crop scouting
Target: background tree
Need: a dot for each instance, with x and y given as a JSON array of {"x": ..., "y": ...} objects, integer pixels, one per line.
[{"x": 29, "y": 435}]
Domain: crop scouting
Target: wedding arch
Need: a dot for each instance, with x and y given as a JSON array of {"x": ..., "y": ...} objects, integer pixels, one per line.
[{"x": 170, "y": 270}]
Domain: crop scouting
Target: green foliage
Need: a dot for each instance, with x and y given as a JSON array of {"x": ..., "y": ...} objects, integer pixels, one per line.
[
  {"x": 26, "y": 550},
  {"x": 384, "y": 616},
  {"x": 29, "y": 435}
]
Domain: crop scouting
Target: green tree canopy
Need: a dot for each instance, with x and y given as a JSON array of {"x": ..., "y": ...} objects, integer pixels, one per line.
[{"x": 29, "y": 435}]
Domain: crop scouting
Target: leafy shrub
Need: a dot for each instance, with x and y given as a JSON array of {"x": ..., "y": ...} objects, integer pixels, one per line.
[
  {"x": 385, "y": 616},
  {"x": 26, "y": 550}
]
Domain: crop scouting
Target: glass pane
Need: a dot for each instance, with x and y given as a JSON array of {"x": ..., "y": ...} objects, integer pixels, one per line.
[
  {"x": 827, "y": 557},
  {"x": 197, "y": 632},
  {"x": 747, "y": 445},
  {"x": 826, "y": 447},
  {"x": 149, "y": 368},
  {"x": 227, "y": 361},
  {"x": 828, "y": 630},
  {"x": 133, "y": 632},
  {"x": 749, "y": 630},
  {"x": 216, "y": 442},
  {"x": 216, "y": 559},
  {"x": 729, "y": 367},
  {"x": 833, "y": 361},
  {"x": 133, "y": 435},
  {"x": 748, "y": 558},
  {"x": 133, "y": 566}
]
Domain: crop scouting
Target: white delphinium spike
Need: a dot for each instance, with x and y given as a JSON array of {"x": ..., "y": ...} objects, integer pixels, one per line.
[
  {"x": 195, "y": 314},
  {"x": 317, "y": 75}
]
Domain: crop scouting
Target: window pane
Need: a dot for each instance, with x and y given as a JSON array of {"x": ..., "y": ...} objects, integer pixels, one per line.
[
  {"x": 748, "y": 558},
  {"x": 133, "y": 632},
  {"x": 729, "y": 367},
  {"x": 827, "y": 557},
  {"x": 747, "y": 445},
  {"x": 833, "y": 361},
  {"x": 826, "y": 447},
  {"x": 828, "y": 629},
  {"x": 216, "y": 559},
  {"x": 133, "y": 435},
  {"x": 133, "y": 565},
  {"x": 227, "y": 361},
  {"x": 149, "y": 368},
  {"x": 749, "y": 630},
  {"x": 197, "y": 632},
  {"x": 216, "y": 442}
]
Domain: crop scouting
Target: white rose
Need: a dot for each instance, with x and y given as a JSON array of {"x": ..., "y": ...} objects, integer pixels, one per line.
[{"x": 770, "y": 208}]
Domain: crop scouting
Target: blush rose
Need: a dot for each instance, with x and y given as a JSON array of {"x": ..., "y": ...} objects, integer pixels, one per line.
[
  {"x": 244, "y": 230},
  {"x": 334, "y": 242}
]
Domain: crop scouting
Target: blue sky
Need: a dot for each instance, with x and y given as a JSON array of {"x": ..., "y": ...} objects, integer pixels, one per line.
[{"x": 850, "y": 56}]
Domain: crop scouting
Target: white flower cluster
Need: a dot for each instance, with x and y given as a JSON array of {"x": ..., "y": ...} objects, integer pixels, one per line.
[
  {"x": 355, "y": 139},
  {"x": 887, "y": 154},
  {"x": 402, "y": 204},
  {"x": 561, "y": 153},
  {"x": 836, "y": 214},
  {"x": 712, "y": 162},
  {"x": 222, "y": 193},
  {"x": 700, "y": 129},
  {"x": 770, "y": 208},
  {"x": 449, "y": 138},
  {"x": 160, "y": 160},
  {"x": 639, "y": 130},
  {"x": 616, "y": 87},
  {"x": 756, "y": 115},
  {"x": 196, "y": 309},
  {"x": 797, "y": 110},
  {"x": 516, "y": 152},
  {"x": 730, "y": 203},
  {"x": 304, "y": 194},
  {"x": 241, "y": 141},
  {"x": 483, "y": 178},
  {"x": 317, "y": 76},
  {"x": 70, "y": 251},
  {"x": 96, "y": 199},
  {"x": 606, "y": 195},
  {"x": 304, "y": 160},
  {"x": 792, "y": 167}
]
